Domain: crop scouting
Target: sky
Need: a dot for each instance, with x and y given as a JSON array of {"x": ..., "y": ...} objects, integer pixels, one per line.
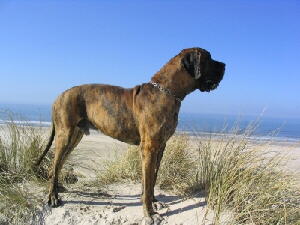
[{"x": 47, "y": 47}]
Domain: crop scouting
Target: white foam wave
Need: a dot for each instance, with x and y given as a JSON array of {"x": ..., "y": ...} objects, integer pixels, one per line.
[{"x": 27, "y": 123}]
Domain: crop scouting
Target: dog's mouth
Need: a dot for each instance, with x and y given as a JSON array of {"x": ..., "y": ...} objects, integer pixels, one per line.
[{"x": 208, "y": 85}]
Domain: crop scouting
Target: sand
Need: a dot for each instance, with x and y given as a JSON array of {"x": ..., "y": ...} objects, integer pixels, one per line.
[{"x": 120, "y": 204}]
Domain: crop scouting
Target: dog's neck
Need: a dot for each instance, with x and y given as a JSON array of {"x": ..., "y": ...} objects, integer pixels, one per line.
[{"x": 175, "y": 78}]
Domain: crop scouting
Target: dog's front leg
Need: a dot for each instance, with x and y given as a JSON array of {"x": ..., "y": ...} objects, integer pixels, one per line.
[{"x": 149, "y": 158}]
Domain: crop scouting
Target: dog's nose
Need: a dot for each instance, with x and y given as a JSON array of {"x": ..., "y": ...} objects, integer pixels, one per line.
[
  {"x": 221, "y": 66},
  {"x": 224, "y": 65}
]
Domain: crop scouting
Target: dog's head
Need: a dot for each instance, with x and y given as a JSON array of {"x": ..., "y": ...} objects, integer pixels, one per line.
[{"x": 207, "y": 72}]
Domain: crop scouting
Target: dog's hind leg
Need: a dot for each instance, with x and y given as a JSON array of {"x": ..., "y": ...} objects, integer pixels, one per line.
[
  {"x": 63, "y": 142},
  {"x": 75, "y": 139}
]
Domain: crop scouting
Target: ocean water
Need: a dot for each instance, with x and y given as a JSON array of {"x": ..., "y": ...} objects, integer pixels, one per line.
[
  {"x": 282, "y": 128},
  {"x": 285, "y": 129},
  {"x": 26, "y": 112}
]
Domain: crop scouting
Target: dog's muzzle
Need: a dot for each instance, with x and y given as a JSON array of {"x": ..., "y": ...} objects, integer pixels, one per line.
[{"x": 213, "y": 77}]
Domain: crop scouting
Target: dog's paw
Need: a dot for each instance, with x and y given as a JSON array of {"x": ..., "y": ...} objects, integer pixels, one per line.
[
  {"x": 54, "y": 202},
  {"x": 157, "y": 205},
  {"x": 155, "y": 219},
  {"x": 61, "y": 188},
  {"x": 147, "y": 221}
]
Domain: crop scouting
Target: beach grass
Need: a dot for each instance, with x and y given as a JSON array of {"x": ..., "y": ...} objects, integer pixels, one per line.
[
  {"x": 20, "y": 146},
  {"x": 248, "y": 181},
  {"x": 128, "y": 167},
  {"x": 122, "y": 168}
]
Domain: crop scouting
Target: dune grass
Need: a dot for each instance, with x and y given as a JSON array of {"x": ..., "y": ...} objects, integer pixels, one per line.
[
  {"x": 177, "y": 166},
  {"x": 128, "y": 167},
  {"x": 247, "y": 182},
  {"x": 20, "y": 146}
]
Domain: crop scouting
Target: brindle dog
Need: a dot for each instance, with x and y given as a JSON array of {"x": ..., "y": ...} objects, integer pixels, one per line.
[{"x": 145, "y": 115}]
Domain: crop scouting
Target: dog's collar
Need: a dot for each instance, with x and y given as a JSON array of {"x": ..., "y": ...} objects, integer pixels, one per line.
[{"x": 165, "y": 90}]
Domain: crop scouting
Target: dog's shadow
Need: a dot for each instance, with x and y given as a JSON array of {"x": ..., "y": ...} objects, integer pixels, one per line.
[{"x": 103, "y": 199}]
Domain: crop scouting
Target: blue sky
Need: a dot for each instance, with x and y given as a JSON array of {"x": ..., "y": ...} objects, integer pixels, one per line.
[{"x": 49, "y": 46}]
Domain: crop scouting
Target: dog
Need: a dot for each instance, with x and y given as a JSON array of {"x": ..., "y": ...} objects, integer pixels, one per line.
[{"x": 145, "y": 115}]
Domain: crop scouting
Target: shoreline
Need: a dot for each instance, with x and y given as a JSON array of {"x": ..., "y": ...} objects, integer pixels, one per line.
[{"x": 191, "y": 133}]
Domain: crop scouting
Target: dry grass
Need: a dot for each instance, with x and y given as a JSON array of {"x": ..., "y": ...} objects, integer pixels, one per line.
[
  {"x": 248, "y": 181},
  {"x": 177, "y": 168},
  {"x": 125, "y": 167},
  {"x": 128, "y": 166},
  {"x": 20, "y": 146}
]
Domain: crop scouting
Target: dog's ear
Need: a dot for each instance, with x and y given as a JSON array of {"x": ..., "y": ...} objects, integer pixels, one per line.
[{"x": 191, "y": 62}]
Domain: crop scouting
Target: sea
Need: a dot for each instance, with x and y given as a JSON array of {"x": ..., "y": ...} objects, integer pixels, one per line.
[{"x": 282, "y": 129}]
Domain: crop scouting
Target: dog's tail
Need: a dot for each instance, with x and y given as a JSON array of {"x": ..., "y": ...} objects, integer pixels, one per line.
[{"x": 51, "y": 138}]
